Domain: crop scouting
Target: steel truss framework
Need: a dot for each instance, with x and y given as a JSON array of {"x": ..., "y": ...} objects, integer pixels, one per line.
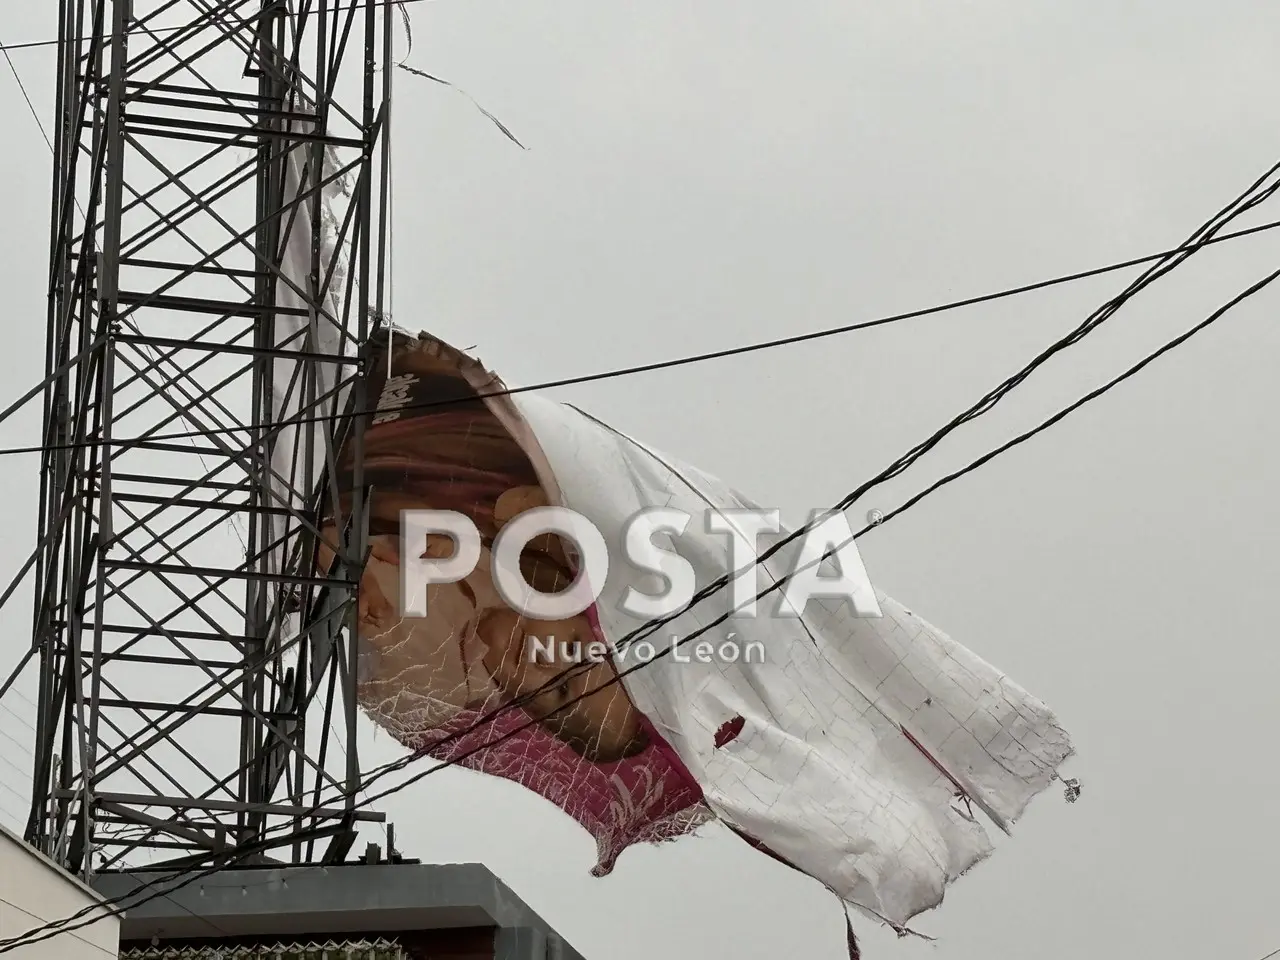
[{"x": 196, "y": 692}]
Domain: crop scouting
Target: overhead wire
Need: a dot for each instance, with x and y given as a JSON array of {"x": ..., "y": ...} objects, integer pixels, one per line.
[
  {"x": 735, "y": 351},
  {"x": 82, "y": 918},
  {"x": 1238, "y": 206},
  {"x": 1196, "y": 243},
  {"x": 622, "y": 371},
  {"x": 1200, "y": 238},
  {"x": 22, "y": 87},
  {"x": 986, "y": 404},
  {"x": 682, "y": 361},
  {"x": 780, "y": 582},
  {"x": 26, "y": 96},
  {"x": 119, "y": 905}
]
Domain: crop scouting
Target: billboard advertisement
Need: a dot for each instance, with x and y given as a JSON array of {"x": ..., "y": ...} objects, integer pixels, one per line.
[{"x": 830, "y": 726}]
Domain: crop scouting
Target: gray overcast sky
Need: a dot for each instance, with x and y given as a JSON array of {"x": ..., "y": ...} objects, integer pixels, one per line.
[{"x": 710, "y": 173}]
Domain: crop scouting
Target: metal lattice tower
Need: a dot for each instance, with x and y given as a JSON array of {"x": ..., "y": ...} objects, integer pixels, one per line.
[{"x": 196, "y": 689}]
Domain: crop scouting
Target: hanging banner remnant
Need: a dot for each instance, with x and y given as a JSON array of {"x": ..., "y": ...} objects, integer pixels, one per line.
[{"x": 849, "y": 738}]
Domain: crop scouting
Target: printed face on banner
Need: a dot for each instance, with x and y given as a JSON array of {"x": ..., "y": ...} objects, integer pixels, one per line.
[{"x": 433, "y": 680}]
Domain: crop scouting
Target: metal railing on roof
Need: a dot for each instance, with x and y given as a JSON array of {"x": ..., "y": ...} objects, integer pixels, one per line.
[{"x": 331, "y": 950}]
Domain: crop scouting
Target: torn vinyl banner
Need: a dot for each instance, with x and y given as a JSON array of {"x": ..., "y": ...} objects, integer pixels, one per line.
[{"x": 859, "y": 750}]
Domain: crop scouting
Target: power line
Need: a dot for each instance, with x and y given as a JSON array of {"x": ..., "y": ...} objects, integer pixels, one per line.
[
  {"x": 780, "y": 582},
  {"x": 80, "y": 919},
  {"x": 976, "y": 410},
  {"x": 739, "y": 350},
  {"x": 982, "y": 407},
  {"x": 688, "y": 359},
  {"x": 1200, "y": 237},
  {"x": 26, "y": 96},
  {"x": 624, "y": 371},
  {"x": 54, "y": 928},
  {"x": 117, "y": 906},
  {"x": 1204, "y": 235}
]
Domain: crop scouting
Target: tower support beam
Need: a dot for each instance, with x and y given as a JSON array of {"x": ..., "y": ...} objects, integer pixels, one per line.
[{"x": 215, "y": 256}]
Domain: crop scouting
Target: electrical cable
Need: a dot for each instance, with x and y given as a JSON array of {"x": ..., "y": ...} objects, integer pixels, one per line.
[
  {"x": 1209, "y": 231},
  {"x": 985, "y": 404},
  {"x": 678, "y": 361},
  {"x": 781, "y": 581},
  {"x": 26, "y": 96},
  {"x": 636, "y": 369},
  {"x": 912, "y": 455},
  {"x": 982, "y": 407},
  {"x": 1198, "y": 239},
  {"x": 56, "y": 927},
  {"x": 118, "y": 906}
]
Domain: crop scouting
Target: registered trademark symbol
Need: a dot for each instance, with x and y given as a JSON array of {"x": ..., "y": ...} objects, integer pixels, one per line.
[{"x": 875, "y": 517}]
